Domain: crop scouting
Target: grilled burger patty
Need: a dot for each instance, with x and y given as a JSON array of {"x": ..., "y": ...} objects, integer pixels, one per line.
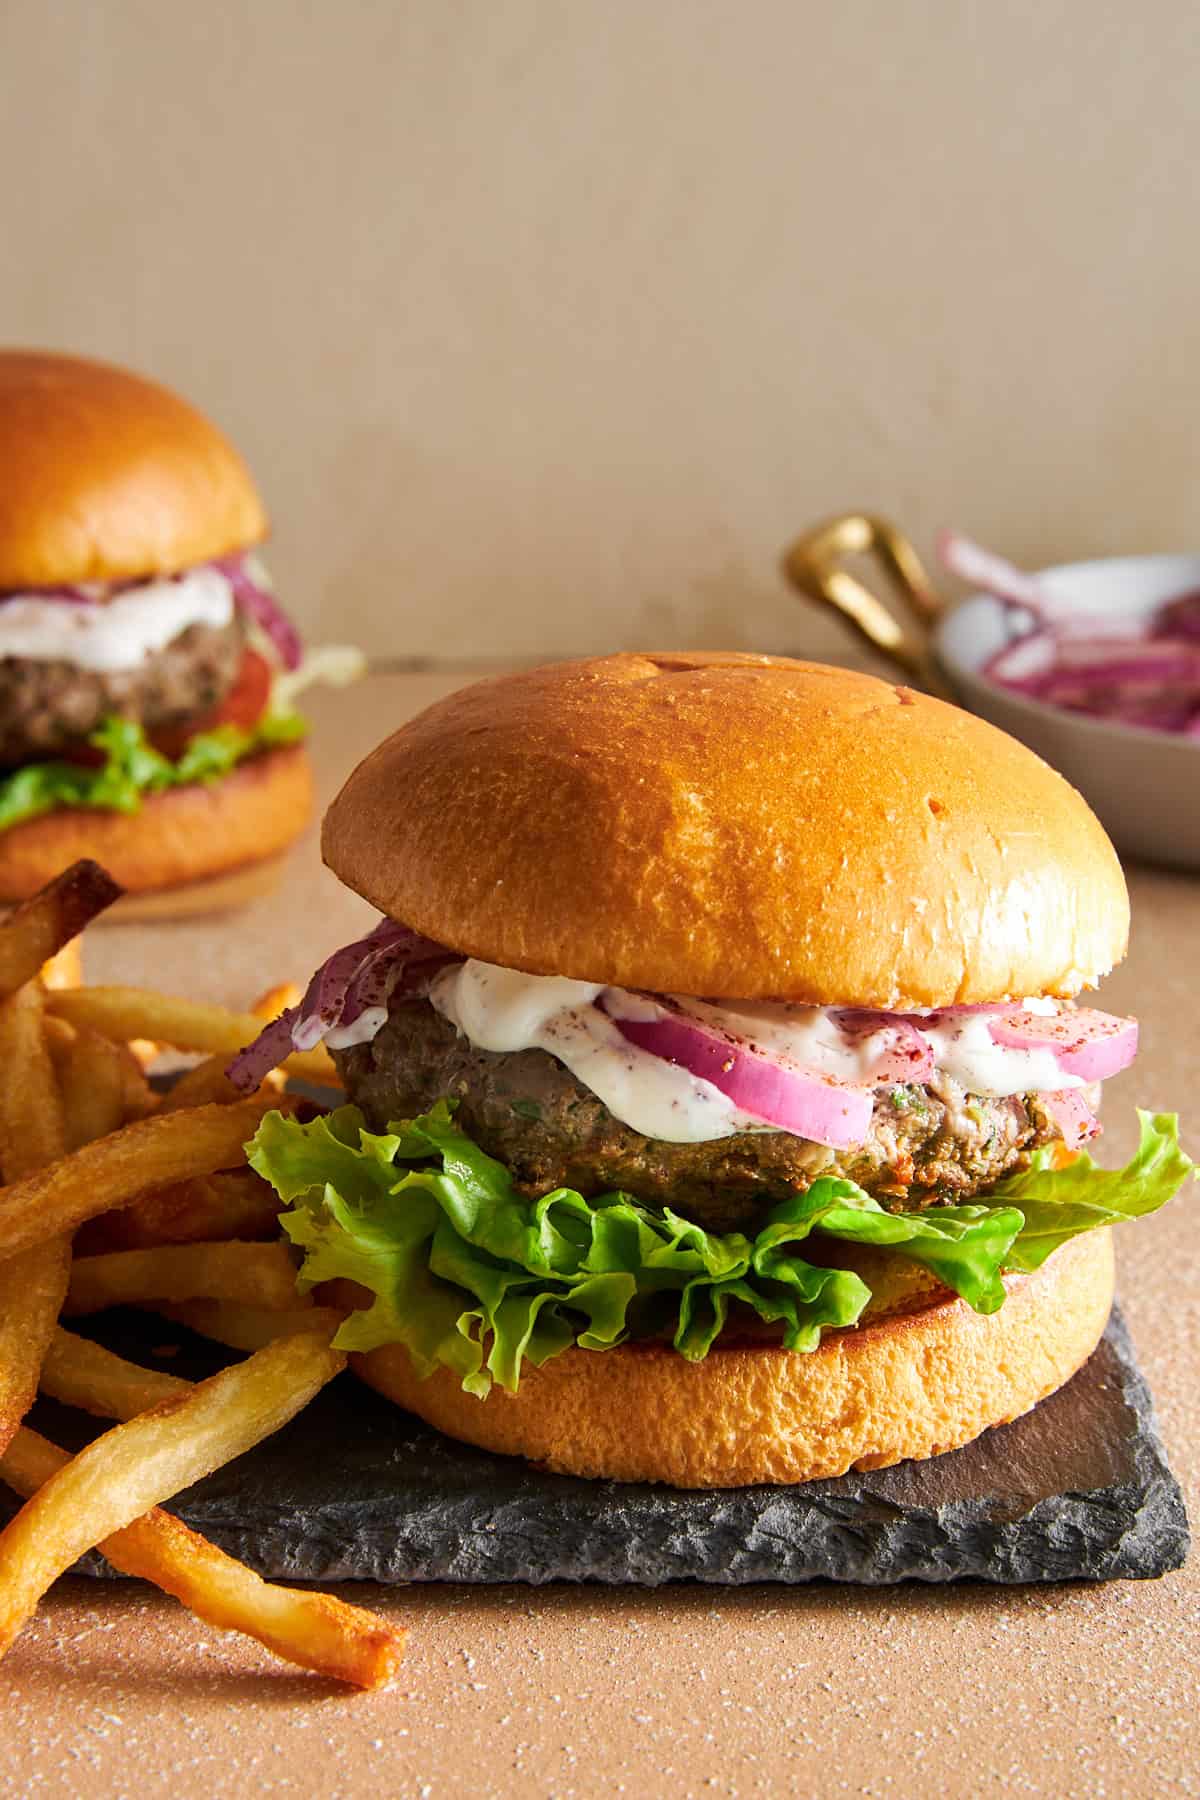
[
  {"x": 47, "y": 706},
  {"x": 926, "y": 1144}
]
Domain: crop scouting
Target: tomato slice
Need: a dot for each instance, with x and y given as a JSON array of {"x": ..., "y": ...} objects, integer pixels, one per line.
[{"x": 243, "y": 705}]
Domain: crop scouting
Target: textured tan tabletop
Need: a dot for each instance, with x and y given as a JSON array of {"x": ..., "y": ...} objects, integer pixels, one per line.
[{"x": 581, "y": 1691}]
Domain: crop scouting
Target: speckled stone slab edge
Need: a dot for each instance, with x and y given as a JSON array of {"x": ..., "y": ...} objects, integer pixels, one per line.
[{"x": 1078, "y": 1489}]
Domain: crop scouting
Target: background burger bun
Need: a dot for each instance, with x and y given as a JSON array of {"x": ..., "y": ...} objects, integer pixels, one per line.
[
  {"x": 734, "y": 826},
  {"x": 191, "y": 849},
  {"x": 105, "y": 476},
  {"x": 927, "y": 1377}
]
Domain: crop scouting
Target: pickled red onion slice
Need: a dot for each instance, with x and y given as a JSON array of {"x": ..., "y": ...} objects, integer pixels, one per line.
[
  {"x": 1073, "y": 1116},
  {"x": 778, "y": 1093},
  {"x": 388, "y": 960},
  {"x": 1088, "y": 1044},
  {"x": 358, "y": 976},
  {"x": 258, "y": 603}
]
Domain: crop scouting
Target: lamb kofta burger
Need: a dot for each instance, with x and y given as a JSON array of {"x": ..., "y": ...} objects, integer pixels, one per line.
[
  {"x": 146, "y": 668},
  {"x": 718, "y": 1087}
]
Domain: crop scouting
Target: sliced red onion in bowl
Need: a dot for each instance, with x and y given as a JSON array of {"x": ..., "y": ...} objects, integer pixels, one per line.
[
  {"x": 1085, "y": 1043},
  {"x": 777, "y": 1093},
  {"x": 1117, "y": 669},
  {"x": 1180, "y": 618},
  {"x": 995, "y": 574},
  {"x": 258, "y": 603}
]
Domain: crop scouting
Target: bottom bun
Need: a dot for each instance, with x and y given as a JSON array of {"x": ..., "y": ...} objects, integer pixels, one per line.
[
  {"x": 911, "y": 1385},
  {"x": 188, "y": 834}
]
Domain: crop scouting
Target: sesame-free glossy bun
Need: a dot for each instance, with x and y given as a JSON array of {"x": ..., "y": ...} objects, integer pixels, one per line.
[
  {"x": 105, "y": 476},
  {"x": 923, "y": 1379},
  {"x": 734, "y": 826},
  {"x": 182, "y": 837}
]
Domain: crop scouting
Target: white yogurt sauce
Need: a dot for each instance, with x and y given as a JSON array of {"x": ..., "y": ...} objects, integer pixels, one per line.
[
  {"x": 504, "y": 1011},
  {"x": 365, "y": 1028},
  {"x": 115, "y": 634},
  {"x": 966, "y": 1051}
]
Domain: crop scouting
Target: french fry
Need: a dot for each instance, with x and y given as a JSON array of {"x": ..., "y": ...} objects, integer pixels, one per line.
[
  {"x": 83, "y": 1374},
  {"x": 165, "y": 1194},
  {"x": 314, "y": 1631},
  {"x": 32, "y": 1128},
  {"x": 113, "y": 1171},
  {"x": 249, "y": 1327},
  {"x": 139, "y": 1464},
  {"x": 274, "y": 1000},
  {"x": 39, "y": 927},
  {"x": 252, "y": 1274},
  {"x": 127, "y": 1012},
  {"x": 234, "y": 1203},
  {"x": 32, "y": 1284},
  {"x": 102, "y": 1084},
  {"x": 65, "y": 968},
  {"x": 92, "y": 1091}
]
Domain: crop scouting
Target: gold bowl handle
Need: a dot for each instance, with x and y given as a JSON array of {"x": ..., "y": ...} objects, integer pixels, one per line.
[{"x": 813, "y": 566}]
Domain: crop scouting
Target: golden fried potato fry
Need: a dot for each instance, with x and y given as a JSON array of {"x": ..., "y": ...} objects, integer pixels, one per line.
[
  {"x": 314, "y": 1631},
  {"x": 274, "y": 1000},
  {"x": 252, "y": 1274},
  {"x": 32, "y": 1128},
  {"x": 83, "y": 1374},
  {"x": 32, "y": 1285},
  {"x": 139, "y": 1464},
  {"x": 150, "y": 1153},
  {"x": 249, "y": 1327},
  {"x": 234, "y": 1203},
  {"x": 92, "y": 1090},
  {"x": 37, "y": 930},
  {"x": 102, "y": 1084},
  {"x": 65, "y": 968},
  {"x": 126, "y": 1012}
]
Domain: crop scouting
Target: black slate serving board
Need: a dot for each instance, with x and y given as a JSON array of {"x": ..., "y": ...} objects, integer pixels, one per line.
[{"x": 1079, "y": 1488}]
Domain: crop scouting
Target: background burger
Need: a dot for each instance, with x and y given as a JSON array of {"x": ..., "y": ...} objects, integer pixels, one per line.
[
  {"x": 719, "y": 1087},
  {"x": 146, "y": 670}
]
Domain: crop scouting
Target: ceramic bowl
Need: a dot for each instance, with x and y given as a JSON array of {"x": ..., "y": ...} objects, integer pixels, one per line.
[{"x": 1143, "y": 785}]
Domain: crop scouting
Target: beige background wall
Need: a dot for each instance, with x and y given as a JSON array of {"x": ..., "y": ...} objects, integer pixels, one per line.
[{"x": 545, "y": 324}]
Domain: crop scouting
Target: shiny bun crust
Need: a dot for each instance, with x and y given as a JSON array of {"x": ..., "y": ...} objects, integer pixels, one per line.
[
  {"x": 185, "y": 835},
  {"x": 916, "y": 1383},
  {"x": 105, "y": 476},
  {"x": 735, "y": 826}
]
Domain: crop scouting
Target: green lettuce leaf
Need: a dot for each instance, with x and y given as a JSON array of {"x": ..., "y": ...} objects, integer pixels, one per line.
[
  {"x": 468, "y": 1273},
  {"x": 133, "y": 769},
  {"x": 1058, "y": 1204}
]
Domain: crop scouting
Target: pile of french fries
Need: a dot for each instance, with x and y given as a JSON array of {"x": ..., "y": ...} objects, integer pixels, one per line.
[{"x": 113, "y": 1195}]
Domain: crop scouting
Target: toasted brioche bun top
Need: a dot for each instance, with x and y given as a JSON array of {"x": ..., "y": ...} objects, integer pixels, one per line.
[
  {"x": 105, "y": 476},
  {"x": 734, "y": 826}
]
